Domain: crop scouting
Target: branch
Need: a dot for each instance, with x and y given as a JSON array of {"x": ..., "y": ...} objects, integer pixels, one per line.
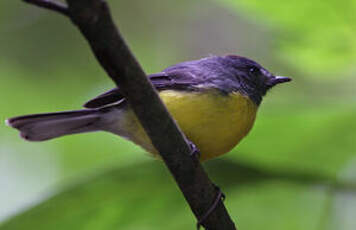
[
  {"x": 94, "y": 21},
  {"x": 50, "y": 5}
]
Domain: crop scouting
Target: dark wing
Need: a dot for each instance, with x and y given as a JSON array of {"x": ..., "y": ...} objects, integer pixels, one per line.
[
  {"x": 179, "y": 80},
  {"x": 109, "y": 97}
]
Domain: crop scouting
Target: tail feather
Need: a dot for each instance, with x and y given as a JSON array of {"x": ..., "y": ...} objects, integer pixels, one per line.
[{"x": 40, "y": 127}]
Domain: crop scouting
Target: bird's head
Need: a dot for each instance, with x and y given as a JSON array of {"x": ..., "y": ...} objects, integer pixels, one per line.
[{"x": 252, "y": 77}]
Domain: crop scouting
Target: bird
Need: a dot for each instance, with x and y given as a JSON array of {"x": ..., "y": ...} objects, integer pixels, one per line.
[{"x": 214, "y": 100}]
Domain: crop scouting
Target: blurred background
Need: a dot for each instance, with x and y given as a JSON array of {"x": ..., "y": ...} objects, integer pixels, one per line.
[{"x": 295, "y": 170}]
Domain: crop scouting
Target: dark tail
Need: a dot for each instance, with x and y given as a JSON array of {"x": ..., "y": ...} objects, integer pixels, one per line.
[{"x": 40, "y": 127}]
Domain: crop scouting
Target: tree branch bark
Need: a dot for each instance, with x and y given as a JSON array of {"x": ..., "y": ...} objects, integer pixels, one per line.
[
  {"x": 50, "y": 5},
  {"x": 93, "y": 19}
]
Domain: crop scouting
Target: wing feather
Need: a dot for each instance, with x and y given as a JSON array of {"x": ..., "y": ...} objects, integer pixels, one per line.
[{"x": 161, "y": 81}]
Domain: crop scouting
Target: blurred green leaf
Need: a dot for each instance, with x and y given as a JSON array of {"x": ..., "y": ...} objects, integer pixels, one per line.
[
  {"x": 144, "y": 196},
  {"x": 317, "y": 37},
  {"x": 313, "y": 139}
]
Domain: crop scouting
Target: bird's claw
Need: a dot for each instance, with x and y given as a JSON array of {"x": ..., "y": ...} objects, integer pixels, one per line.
[{"x": 194, "y": 151}]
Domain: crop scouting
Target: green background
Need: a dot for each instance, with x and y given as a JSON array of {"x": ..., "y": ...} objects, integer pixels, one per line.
[{"x": 295, "y": 170}]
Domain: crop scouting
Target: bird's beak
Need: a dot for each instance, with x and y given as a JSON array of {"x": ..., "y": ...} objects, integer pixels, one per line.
[{"x": 277, "y": 80}]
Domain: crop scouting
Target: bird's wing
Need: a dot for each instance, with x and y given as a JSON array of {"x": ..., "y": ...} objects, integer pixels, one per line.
[{"x": 179, "y": 80}]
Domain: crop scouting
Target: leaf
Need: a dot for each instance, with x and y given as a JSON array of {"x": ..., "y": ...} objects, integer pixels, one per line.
[
  {"x": 317, "y": 37},
  {"x": 143, "y": 196},
  {"x": 317, "y": 139}
]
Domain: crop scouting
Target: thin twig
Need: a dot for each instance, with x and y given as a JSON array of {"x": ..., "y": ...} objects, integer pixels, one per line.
[
  {"x": 94, "y": 21},
  {"x": 50, "y": 5}
]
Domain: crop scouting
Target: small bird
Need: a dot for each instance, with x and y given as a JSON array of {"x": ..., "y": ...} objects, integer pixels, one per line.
[{"x": 214, "y": 100}]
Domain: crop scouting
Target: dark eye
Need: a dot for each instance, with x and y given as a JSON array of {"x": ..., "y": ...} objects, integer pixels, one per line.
[{"x": 253, "y": 70}]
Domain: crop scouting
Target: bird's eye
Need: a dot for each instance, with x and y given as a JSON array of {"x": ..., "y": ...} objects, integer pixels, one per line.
[{"x": 253, "y": 70}]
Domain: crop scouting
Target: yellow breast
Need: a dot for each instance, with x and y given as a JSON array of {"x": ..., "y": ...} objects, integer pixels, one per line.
[{"x": 214, "y": 122}]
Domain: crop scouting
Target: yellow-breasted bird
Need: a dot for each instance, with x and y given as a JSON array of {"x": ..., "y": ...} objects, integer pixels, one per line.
[{"x": 214, "y": 100}]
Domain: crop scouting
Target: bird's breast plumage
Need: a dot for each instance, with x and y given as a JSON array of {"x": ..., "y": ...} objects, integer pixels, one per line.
[{"x": 213, "y": 121}]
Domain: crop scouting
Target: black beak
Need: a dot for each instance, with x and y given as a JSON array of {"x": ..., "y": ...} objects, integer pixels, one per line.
[{"x": 277, "y": 80}]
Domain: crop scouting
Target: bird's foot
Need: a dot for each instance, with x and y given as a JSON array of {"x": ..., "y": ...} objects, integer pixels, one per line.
[
  {"x": 194, "y": 151},
  {"x": 219, "y": 196}
]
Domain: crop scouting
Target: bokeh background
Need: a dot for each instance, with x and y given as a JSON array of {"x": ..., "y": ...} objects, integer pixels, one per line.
[{"x": 295, "y": 170}]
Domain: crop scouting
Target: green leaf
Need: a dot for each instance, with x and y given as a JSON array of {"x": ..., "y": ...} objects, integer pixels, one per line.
[
  {"x": 314, "y": 139},
  {"x": 317, "y": 37},
  {"x": 144, "y": 196}
]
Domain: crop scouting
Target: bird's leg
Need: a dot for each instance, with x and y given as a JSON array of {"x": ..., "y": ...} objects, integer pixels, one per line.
[
  {"x": 219, "y": 196},
  {"x": 194, "y": 151}
]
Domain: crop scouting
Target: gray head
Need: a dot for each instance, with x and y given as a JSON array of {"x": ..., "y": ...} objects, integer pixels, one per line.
[
  {"x": 250, "y": 77},
  {"x": 228, "y": 74}
]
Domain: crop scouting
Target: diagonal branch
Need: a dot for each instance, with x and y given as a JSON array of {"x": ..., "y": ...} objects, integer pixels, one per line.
[
  {"x": 50, "y": 5},
  {"x": 94, "y": 21}
]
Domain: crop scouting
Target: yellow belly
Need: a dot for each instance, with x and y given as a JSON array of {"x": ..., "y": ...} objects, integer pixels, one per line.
[{"x": 215, "y": 123}]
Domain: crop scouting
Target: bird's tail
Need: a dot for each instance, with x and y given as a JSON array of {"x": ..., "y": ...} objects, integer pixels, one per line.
[{"x": 40, "y": 127}]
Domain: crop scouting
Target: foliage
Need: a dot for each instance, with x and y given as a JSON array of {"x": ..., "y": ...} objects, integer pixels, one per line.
[{"x": 315, "y": 36}]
